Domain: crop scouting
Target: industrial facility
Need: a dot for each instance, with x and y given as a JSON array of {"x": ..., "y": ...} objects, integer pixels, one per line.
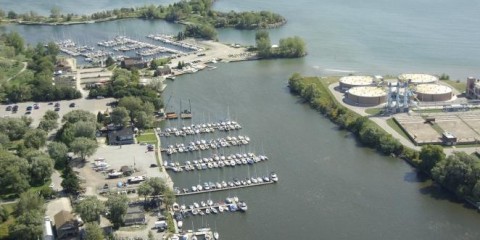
[
  {"x": 417, "y": 78},
  {"x": 473, "y": 88},
  {"x": 348, "y": 82},
  {"x": 366, "y": 95},
  {"x": 433, "y": 93}
]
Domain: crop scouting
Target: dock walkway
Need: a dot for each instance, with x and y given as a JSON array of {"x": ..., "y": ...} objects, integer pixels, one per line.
[{"x": 224, "y": 188}]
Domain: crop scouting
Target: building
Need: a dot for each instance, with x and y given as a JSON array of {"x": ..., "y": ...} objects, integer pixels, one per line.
[
  {"x": 448, "y": 139},
  {"x": 163, "y": 70},
  {"x": 473, "y": 88},
  {"x": 121, "y": 137},
  {"x": 66, "y": 225},
  {"x": 366, "y": 96},
  {"x": 135, "y": 215},
  {"x": 134, "y": 62}
]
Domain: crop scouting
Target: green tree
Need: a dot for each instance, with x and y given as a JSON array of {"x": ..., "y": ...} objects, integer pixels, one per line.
[
  {"x": 35, "y": 138},
  {"x": 16, "y": 41},
  {"x": 47, "y": 125},
  {"x": 143, "y": 120},
  {"x": 29, "y": 202},
  {"x": 109, "y": 62},
  {"x": 41, "y": 168},
  {"x": 120, "y": 116},
  {"x": 168, "y": 197},
  {"x": 14, "y": 173},
  {"x": 117, "y": 207},
  {"x": 79, "y": 115},
  {"x": 55, "y": 12},
  {"x": 58, "y": 152},
  {"x": 27, "y": 226},
  {"x": 292, "y": 47},
  {"x": 15, "y": 128},
  {"x": 3, "y": 214},
  {"x": 145, "y": 190},
  {"x": 430, "y": 155},
  {"x": 51, "y": 115},
  {"x": 90, "y": 209},
  {"x": 84, "y": 129},
  {"x": 263, "y": 42},
  {"x": 4, "y": 141},
  {"x": 84, "y": 147},
  {"x": 93, "y": 232},
  {"x": 158, "y": 185},
  {"x": 70, "y": 182}
]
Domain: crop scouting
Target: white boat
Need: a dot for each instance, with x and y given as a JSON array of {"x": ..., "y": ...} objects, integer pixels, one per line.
[
  {"x": 221, "y": 208},
  {"x": 243, "y": 206},
  {"x": 195, "y": 211},
  {"x": 213, "y": 210},
  {"x": 180, "y": 224},
  {"x": 209, "y": 202},
  {"x": 215, "y": 235},
  {"x": 196, "y": 205},
  {"x": 175, "y": 207},
  {"x": 115, "y": 174},
  {"x": 274, "y": 177}
]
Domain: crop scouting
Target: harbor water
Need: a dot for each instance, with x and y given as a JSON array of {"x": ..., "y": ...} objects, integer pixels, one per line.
[{"x": 329, "y": 187}]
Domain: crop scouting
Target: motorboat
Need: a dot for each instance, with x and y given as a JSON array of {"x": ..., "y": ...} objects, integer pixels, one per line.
[
  {"x": 216, "y": 236},
  {"x": 194, "y": 189},
  {"x": 180, "y": 224},
  {"x": 196, "y": 205},
  {"x": 195, "y": 211},
  {"x": 209, "y": 202},
  {"x": 221, "y": 209},
  {"x": 266, "y": 179},
  {"x": 175, "y": 207},
  {"x": 232, "y": 207},
  {"x": 213, "y": 210},
  {"x": 274, "y": 177},
  {"x": 243, "y": 206},
  {"x": 207, "y": 211},
  {"x": 224, "y": 184},
  {"x": 203, "y": 204}
]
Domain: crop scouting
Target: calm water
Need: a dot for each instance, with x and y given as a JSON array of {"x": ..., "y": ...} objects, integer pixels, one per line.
[{"x": 329, "y": 187}]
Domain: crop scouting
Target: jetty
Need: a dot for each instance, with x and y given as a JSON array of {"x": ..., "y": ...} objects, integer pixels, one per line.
[
  {"x": 216, "y": 162},
  {"x": 203, "y": 144},
  {"x": 231, "y": 204},
  {"x": 224, "y": 186},
  {"x": 201, "y": 128}
]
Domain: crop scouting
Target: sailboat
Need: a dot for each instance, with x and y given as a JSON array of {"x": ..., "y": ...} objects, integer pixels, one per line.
[{"x": 186, "y": 113}]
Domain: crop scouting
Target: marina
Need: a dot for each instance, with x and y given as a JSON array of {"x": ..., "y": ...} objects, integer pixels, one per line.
[
  {"x": 122, "y": 46},
  {"x": 230, "y": 185}
]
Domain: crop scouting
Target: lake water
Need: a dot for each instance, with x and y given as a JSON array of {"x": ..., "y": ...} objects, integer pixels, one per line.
[{"x": 329, "y": 188}]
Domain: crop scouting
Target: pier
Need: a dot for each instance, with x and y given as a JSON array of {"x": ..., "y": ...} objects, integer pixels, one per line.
[
  {"x": 196, "y": 129},
  {"x": 178, "y": 194},
  {"x": 216, "y": 162},
  {"x": 201, "y": 145}
]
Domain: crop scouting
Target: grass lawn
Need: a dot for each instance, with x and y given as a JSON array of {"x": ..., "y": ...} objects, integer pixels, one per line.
[
  {"x": 11, "y": 220},
  {"x": 397, "y": 128},
  {"x": 148, "y": 136},
  {"x": 460, "y": 85},
  {"x": 374, "y": 111},
  {"x": 9, "y": 68}
]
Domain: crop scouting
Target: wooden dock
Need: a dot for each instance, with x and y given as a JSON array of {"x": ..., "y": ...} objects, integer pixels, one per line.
[{"x": 224, "y": 189}]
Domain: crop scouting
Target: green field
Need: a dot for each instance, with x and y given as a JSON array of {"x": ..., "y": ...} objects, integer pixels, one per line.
[
  {"x": 459, "y": 85},
  {"x": 397, "y": 128},
  {"x": 148, "y": 136}
]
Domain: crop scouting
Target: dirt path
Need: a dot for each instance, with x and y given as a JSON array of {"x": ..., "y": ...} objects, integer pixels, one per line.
[{"x": 23, "y": 69}]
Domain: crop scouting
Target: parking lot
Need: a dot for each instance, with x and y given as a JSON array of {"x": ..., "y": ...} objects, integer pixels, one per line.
[
  {"x": 135, "y": 156},
  {"x": 92, "y": 105}
]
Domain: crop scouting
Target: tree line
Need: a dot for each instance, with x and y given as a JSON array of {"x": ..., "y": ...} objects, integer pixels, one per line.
[{"x": 187, "y": 11}]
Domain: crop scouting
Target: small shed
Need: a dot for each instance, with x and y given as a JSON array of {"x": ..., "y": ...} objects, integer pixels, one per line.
[
  {"x": 66, "y": 225},
  {"x": 449, "y": 139},
  {"x": 135, "y": 215}
]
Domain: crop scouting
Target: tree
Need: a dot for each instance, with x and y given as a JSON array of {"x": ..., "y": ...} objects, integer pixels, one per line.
[
  {"x": 117, "y": 207},
  {"x": 41, "y": 169},
  {"x": 430, "y": 155},
  {"x": 15, "y": 128},
  {"x": 145, "y": 190},
  {"x": 143, "y": 120},
  {"x": 55, "y": 12},
  {"x": 90, "y": 209},
  {"x": 84, "y": 146},
  {"x": 35, "y": 138},
  {"x": 93, "y": 231},
  {"x": 109, "y": 62},
  {"x": 14, "y": 173},
  {"x": 79, "y": 115},
  {"x": 4, "y": 140},
  {"x": 158, "y": 185},
  {"x": 120, "y": 116},
  {"x": 168, "y": 197},
  {"x": 28, "y": 202},
  {"x": 15, "y": 40},
  {"x": 70, "y": 182},
  {"x": 132, "y": 104},
  {"x": 51, "y": 115},
  {"x": 29, "y": 225},
  {"x": 3, "y": 214},
  {"x": 292, "y": 47},
  {"x": 263, "y": 42},
  {"x": 58, "y": 152},
  {"x": 47, "y": 125},
  {"x": 84, "y": 129}
]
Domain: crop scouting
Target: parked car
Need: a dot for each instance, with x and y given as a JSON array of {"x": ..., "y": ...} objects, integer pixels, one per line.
[
  {"x": 28, "y": 112},
  {"x": 153, "y": 165},
  {"x": 36, "y": 106},
  {"x": 57, "y": 104},
  {"x": 9, "y": 108},
  {"x": 15, "y": 108},
  {"x": 57, "y": 109},
  {"x": 72, "y": 105},
  {"x": 29, "y": 108}
]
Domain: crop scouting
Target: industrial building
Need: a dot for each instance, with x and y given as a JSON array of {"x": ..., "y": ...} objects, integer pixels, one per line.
[
  {"x": 366, "y": 95},
  {"x": 348, "y": 82},
  {"x": 473, "y": 88},
  {"x": 417, "y": 78},
  {"x": 433, "y": 93}
]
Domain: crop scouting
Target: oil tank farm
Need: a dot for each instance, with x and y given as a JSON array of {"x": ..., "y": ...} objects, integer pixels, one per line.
[
  {"x": 417, "y": 78},
  {"x": 366, "y": 95},
  {"x": 348, "y": 82},
  {"x": 433, "y": 93}
]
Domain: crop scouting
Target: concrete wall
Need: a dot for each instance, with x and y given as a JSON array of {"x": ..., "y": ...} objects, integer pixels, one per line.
[
  {"x": 366, "y": 101},
  {"x": 429, "y": 97}
]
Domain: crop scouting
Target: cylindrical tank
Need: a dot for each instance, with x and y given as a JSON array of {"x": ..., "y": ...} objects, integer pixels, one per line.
[
  {"x": 355, "y": 81},
  {"x": 366, "y": 96},
  {"x": 417, "y": 78},
  {"x": 433, "y": 93}
]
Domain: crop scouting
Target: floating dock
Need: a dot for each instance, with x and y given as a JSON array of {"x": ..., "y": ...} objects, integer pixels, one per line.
[
  {"x": 223, "y": 188},
  {"x": 202, "y": 128},
  {"x": 201, "y": 145}
]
